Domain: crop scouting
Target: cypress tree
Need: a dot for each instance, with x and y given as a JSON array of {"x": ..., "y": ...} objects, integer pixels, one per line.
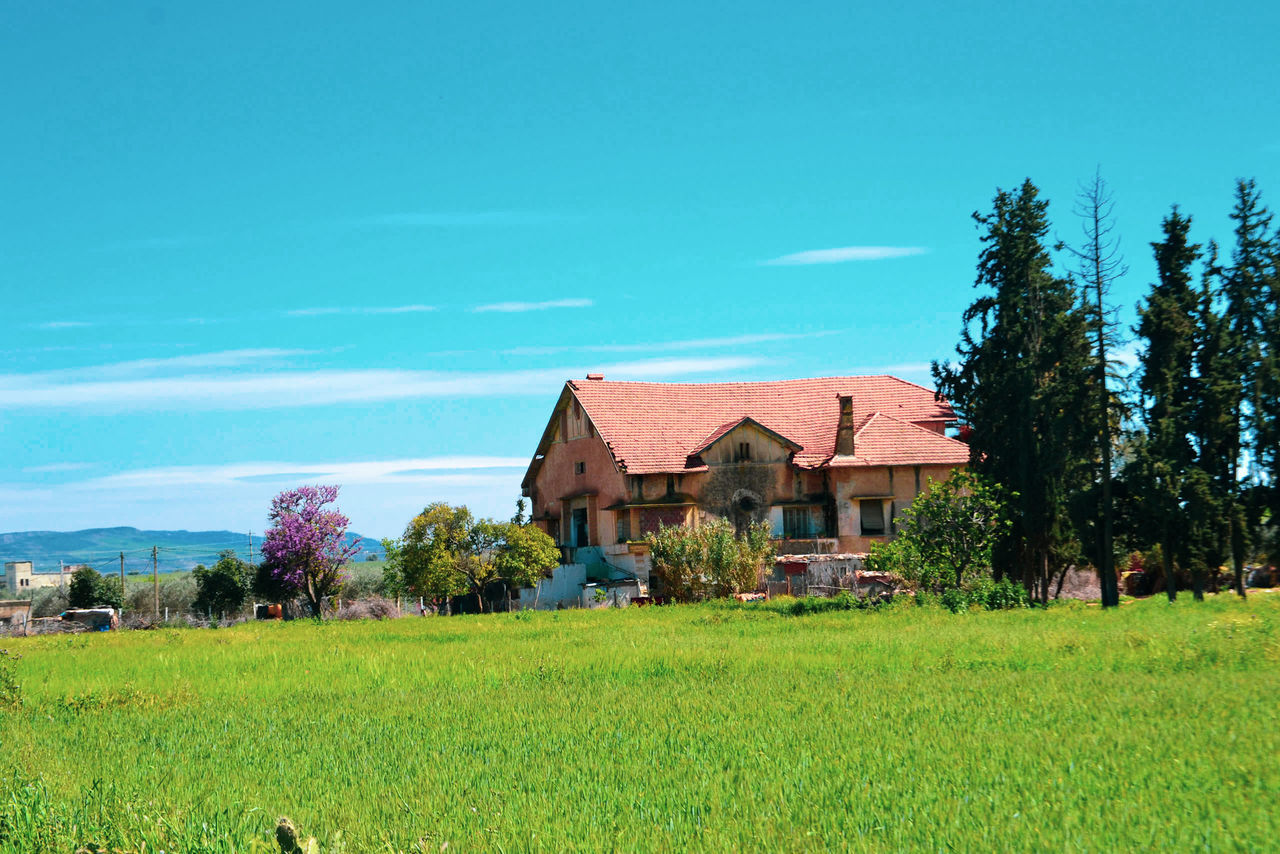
[
  {"x": 1021, "y": 385},
  {"x": 1216, "y": 428},
  {"x": 1245, "y": 291},
  {"x": 1168, "y": 387}
]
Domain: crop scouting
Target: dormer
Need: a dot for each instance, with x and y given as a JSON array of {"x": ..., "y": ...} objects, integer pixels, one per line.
[{"x": 743, "y": 441}]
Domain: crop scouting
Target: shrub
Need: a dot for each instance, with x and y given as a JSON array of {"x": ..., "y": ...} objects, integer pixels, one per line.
[
  {"x": 710, "y": 560},
  {"x": 10, "y": 690},
  {"x": 955, "y": 599}
]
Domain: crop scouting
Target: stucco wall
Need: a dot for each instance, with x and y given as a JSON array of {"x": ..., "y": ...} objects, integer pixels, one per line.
[{"x": 897, "y": 485}]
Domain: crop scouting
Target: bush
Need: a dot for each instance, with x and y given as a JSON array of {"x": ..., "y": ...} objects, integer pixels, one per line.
[
  {"x": 710, "y": 560},
  {"x": 955, "y": 599},
  {"x": 49, "y": 602},
  {"x": 1004, "y": 594}
]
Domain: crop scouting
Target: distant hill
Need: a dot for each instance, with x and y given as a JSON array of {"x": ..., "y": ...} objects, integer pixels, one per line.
[{"x": 101, "y": 547}]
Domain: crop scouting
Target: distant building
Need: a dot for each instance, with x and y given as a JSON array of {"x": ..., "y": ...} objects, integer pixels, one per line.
[
  {"x": 829, "y": 462},
  {"x": 20, "y": 577}
]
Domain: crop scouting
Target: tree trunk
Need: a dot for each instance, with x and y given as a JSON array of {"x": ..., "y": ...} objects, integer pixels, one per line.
[
  {"x": 1170, "y": 583},
  {"x": 1237, "y": 552},
  {"x": 1197, "y": 584}
]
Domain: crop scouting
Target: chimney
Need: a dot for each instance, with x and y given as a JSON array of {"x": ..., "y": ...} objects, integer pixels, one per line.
[
  {"x": 595, "y": 377},
  {"x": 844, "y": 428}
]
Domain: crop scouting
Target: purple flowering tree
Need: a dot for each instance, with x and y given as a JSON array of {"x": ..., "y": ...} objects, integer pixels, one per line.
[{"x": 306, "y": 548}]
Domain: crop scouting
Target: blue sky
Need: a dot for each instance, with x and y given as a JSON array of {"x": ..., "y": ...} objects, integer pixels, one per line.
[{"x": 244, "y": 246}]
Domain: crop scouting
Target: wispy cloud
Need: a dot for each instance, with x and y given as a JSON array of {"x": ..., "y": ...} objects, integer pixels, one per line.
[
  {"x": 844, "y": 253},
  {"x": 169, "y": 364},
  {"x": 151, "y": 243},
  {"x": 670, "y": 346},
  {"x": 106, "y": 391},
  {"x": 535, "y": 306},
  {"x": 454, "y": 219},
  {"x": 55, "y": 468},
  {"x": 392, "y": 309},
  {"x": 439, "y": 470},
  {"x": 62, "y": 324}
]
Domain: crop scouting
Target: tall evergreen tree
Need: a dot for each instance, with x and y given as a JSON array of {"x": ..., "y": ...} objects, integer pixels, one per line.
[
  {"x": 1215, "y": 425},
  {"x": 1021, "y": 384},
  {"x": 1244, "y": 292},
  {"x": 1100, "y": 264},
  {"x": 1168, "y": 387}
]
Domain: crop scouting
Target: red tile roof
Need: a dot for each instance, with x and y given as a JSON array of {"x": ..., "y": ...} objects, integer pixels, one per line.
[
  {"x": 654, "y": 427},
  {"x": 887, "y": 441}
]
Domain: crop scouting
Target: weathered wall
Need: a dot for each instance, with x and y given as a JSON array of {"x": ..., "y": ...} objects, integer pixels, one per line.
[
  {"x": 557, "y": 479},
  {"x": 895, "y": 487}
]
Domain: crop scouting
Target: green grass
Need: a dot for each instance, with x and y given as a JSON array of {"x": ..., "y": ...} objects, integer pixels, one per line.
[{"x": 711, "y": 728}]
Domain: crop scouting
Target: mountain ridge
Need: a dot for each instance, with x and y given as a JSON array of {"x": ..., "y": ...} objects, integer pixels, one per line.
[{"x": 101, "y": 547}]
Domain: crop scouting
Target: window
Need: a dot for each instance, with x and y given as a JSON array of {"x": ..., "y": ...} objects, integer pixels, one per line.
[
  {"x": 580, "y": 467},
  {"x": 744, "y": 452},
  {"x": 671, "y": 484},
  {"x": 872, "y": 512},
  {"x": 797, "y": 523},
  {"x": 624, "y": 526},
  {"x": 637, "y": 486}
]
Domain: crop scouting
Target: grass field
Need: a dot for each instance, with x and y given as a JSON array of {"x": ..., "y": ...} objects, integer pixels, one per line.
[{"x": 709, "y": 727}]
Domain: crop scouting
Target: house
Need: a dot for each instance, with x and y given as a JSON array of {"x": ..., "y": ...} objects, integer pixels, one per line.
[
  {"x": 20, "y": 577},
  {"x": 830, "y": 462}
]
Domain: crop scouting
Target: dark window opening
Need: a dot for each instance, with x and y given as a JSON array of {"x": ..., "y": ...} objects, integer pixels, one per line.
[
  {"x": 624, "y": 527},
  {"x": 671, "y": 484},
  {"x": 580, "y": 531},
  {"x": 872, "y": 513},
  {"x": 580, "y": 467},
  {"x": 797, "y": 523},
  {"x": 744, "y": 452}
]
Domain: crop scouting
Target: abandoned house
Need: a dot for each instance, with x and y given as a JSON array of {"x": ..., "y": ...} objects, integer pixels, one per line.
[{"x": 828, "y": 462}]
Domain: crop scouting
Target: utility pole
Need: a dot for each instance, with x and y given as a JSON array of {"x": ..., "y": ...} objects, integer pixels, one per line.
[
  {"x": 121, "y": 581},
  {"x": 249, "y": 557},
  {"x": 155, "y": 577}
]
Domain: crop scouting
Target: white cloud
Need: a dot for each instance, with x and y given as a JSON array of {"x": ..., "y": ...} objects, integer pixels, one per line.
[
  {"x": 62, "y": 324},
  {"x": 845, "y": 253},
  {"x": 106, "y": 391},
  {"x": 534, "y": 306},
  {"x": 453, "y": 470},
  {"x": 394, "y": 309},
  {"x": 448, "y": 219},
  {"x": 669, "y": 346},
  {"x": 54, "y": 468},
  {"x": 181, "y": 364}
]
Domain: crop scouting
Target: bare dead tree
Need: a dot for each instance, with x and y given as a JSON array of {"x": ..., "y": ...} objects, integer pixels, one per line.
[{"x": 1099, "y": 265}]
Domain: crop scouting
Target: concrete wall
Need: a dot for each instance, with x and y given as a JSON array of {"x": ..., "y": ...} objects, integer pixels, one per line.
[
  {"x": 562, "y": 589},
  {"x": 21, "y": 578}
]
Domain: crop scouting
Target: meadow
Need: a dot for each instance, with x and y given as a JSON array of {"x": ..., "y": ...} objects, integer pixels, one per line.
[{"x": 714, "y": 727}]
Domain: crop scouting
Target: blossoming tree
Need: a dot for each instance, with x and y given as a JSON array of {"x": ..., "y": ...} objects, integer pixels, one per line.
[{"x": 305, "y": 548}]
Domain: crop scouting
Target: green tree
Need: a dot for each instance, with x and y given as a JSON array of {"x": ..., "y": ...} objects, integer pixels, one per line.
[
  {"x": 1162, "y": 473},
  {"x": 434, "y": 543},
  {"x": 946, "y": 537},
  {"x": 223, "y": 588},
  {"x": 1215, "y": 425},
  {"x": 1022, "y": 387},
  {"x": 90, "y": 589},
  {"x": 526, "y": 555},
  {"x": 1245, "y": 287}
]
